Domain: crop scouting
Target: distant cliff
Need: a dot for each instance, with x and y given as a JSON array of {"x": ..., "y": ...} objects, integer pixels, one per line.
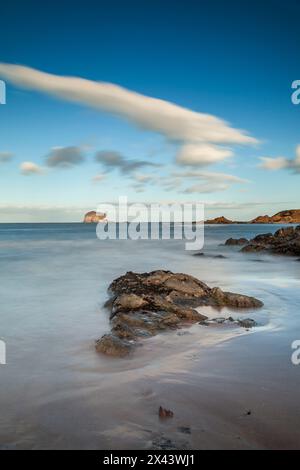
[
  {"x": 284, "y": 217},
  {"x": 93, "y": 217}
]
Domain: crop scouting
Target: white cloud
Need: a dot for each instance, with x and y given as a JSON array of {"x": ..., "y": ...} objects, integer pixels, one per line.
[
  {"x": 203, "y": 181},
  {"x": 201, "y": 134},
  {"x": 213, "y": 176},
  {"x": 202, "y": 154},
  {"x": 30, "y": 168},
  {"x": 280, "y": 163},
  {"x": 207, "y": 188}
]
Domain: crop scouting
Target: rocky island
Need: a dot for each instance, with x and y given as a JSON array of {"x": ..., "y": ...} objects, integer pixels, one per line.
[
  {"x": 94, "y": 217},
  {"x": 142, "y": 305}
]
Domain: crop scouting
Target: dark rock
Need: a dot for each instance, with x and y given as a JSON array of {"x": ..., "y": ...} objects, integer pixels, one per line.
[
  {"x": 164, "y": 413},
  {"x": 286, "y": 241},
  {"x": 143, "y": 305},
  {"x": 236, "y": 241},
  {"x": 184, "y": 429},
  {"x": 247, "y": 323},
  {"x": 164, "y": 443},
  {"x": 210, "y": 256}
]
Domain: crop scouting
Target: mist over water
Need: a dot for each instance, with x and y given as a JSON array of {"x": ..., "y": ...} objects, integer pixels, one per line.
[{"x": 57, "y": 392}]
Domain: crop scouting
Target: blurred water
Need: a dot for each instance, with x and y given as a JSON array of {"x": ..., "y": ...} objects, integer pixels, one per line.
[{"x": 55, "y": 391}]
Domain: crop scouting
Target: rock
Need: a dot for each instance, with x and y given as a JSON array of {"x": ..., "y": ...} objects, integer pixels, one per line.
[
  {"x": 236, "y": 241},
  {"x": 185, "y": 429},
  {"x": 210, "y": 256},
  {"x": 125, "y": 302},
  {"x": 219, "y": 320},
  {"x": 247, "y": 323},
  {"x": 234, "y": 300},
  {"x": 286, "y": 241},
  {"x": 143, "y": 305},
  {"x": 112, "y": 345},
  {"x": 163, "y": 413},
  {"x": 93, "y": 217}
]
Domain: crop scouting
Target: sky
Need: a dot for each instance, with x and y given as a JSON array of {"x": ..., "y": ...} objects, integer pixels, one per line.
[{"x": 186, "y": 101}]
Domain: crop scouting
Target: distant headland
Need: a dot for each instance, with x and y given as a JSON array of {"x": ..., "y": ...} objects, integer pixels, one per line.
[{"x": 284, "y": 217}]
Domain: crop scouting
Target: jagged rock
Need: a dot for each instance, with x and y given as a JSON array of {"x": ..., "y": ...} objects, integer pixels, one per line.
[
  {"x": 112, "y": 345},
  {"x": 143, "y": 305},
  {"x": 234, "y": 300},
  {"x": 286, "y": 241}
]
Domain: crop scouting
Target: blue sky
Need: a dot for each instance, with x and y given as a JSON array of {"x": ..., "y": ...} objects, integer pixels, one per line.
[{"x": 232, "y": 60}]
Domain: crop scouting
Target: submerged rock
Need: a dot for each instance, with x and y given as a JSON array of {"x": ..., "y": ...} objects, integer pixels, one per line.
[
  {"x": 236, "y": 241},
  {"x": 247, "y": 323},
  {"x": 164, "y": 413},
  {"x": 142, "y": 305}
]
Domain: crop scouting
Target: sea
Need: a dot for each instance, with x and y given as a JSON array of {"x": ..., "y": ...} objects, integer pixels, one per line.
[{"x": 228, "y": 387}]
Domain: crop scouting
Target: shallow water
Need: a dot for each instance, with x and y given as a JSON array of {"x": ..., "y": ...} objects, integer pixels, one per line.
[{"x": 57, "y": 392}]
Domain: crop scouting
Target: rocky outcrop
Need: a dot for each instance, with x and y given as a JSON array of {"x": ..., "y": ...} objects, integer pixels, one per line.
[
  {"x": 142, "y": 305},
  {"x": 286, "y": 241},
  {"x": 93, "y": 217}
]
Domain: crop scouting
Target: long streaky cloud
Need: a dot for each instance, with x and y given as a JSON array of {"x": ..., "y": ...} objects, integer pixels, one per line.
[{"x": 176, "y": 123}]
